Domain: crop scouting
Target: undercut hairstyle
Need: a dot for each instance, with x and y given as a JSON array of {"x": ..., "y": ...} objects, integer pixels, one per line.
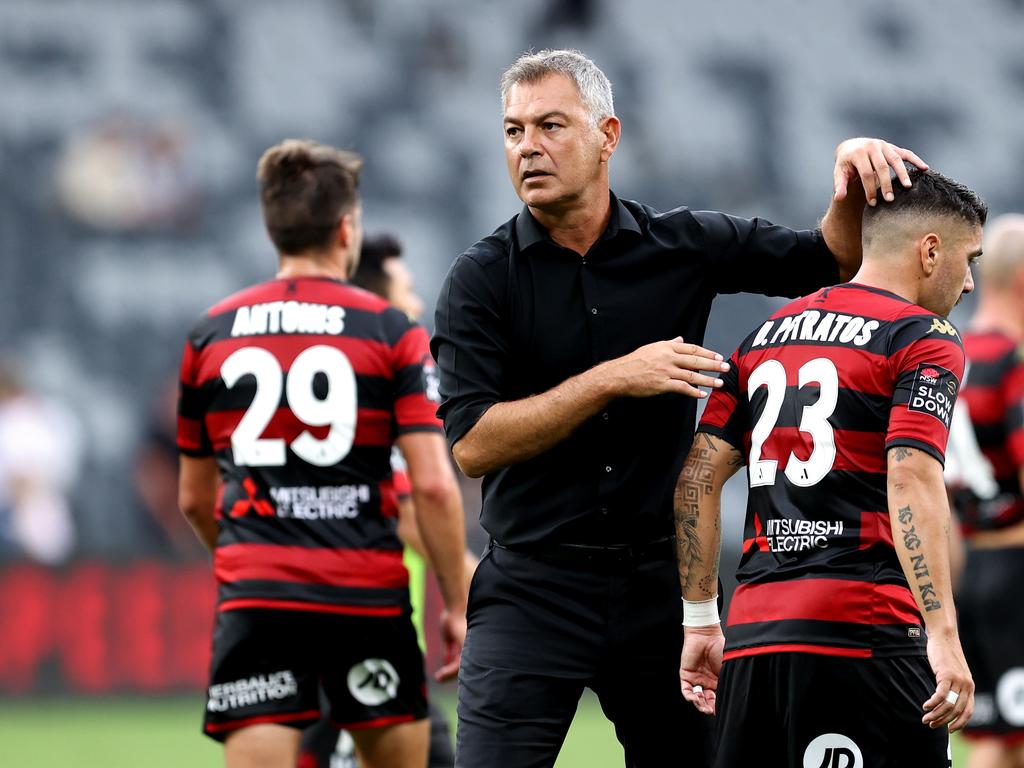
[
  {"x": 593, "y": 86},
  {"x": 930, "y": 195},
  {"x": 376, "y": 250},
  {"x": 1004, "y": 251},
  {"x": 305, "y": 189}
]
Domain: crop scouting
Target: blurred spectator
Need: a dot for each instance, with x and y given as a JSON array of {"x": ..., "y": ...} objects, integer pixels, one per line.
[
  {"x": 127, "y": 175},
  {"x": 165, "y": 530},
  {"x": 40, "y": 454}
]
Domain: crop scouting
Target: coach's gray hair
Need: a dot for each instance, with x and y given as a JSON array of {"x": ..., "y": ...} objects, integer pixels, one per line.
[{"x": 594, "y": 88}]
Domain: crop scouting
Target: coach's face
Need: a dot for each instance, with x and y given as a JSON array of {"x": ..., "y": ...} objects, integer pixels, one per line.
[
  {"x": 555, "y": 156},
  {"x": 950, "y": 261}
]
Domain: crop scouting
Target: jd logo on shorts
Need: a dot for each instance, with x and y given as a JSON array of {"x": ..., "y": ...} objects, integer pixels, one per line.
[
  {"x": 1010, "y": 696},
  {"x": 372, "y": 682},
  {"x": 833, "y": 750}
]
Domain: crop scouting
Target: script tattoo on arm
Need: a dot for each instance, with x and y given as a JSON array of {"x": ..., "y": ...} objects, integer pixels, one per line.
[{"x": 912, "y": 541}]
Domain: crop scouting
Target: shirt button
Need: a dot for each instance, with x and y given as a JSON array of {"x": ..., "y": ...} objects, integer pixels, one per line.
[
  {"x": 608, "y": 468},
  {"x": 593, "y": 311},
  {"x": 605, "y": 416},
  {"x": 604, "y": 510}
]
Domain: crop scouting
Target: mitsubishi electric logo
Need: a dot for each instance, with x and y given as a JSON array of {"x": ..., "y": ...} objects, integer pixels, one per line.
[{"x": 833, "y": 750}]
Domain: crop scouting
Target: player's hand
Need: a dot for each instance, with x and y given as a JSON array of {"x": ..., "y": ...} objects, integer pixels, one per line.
[
  {"x": 453, "y": 636},
  {"x": 870, "y": 161},
  {"x": 951, "y": 674},
  {"x": 664, "y": 366},
  {"x": 699, "y": 665}
]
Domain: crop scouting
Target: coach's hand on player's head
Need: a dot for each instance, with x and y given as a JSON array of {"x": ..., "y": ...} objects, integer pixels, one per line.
[
  {"x": 664, "y": 366},
  {"x": 871, "y": 160},
  {"x": 699, "y": 666},
  {"x": 952, "y": 677},
  {"x": 453, "y": 636}
]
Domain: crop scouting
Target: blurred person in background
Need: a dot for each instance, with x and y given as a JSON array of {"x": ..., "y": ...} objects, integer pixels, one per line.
[
  {"x": 293, "y": 393},
  {"x": 40, "y": 456},
  {"x": 568, "y": 343},
  {"x": 841, "y": 645},
  {"x": 985, "y": 473},
  {"x": 382, "y": 271},
  {"x": 164, "y": 530}
]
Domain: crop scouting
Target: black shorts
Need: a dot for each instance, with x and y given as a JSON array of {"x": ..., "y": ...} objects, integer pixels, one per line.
[
  {"x": 992, "y": 632},
  {"x": 268, "y": 667},
  {"x": 787, "y": 710}
]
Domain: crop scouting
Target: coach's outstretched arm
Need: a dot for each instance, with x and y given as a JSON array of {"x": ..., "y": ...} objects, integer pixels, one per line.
[
  {"x": 511, "y": 432},
  {"x": 438, "y": 502},
  {"x": 919, "y": 514},
  {"x": 860, "y": 175},
  {"x": 698, "y": 516}
]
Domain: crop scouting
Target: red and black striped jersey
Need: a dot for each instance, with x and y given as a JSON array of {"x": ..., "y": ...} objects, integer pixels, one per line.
[
  {"x": 814, "y": 399},
  {"x": 986, "y": 479},
  {"x": 300, "y": 387}
]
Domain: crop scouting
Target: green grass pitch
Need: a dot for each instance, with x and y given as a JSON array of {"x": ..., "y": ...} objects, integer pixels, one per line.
[{"x": 164, "y": 733}]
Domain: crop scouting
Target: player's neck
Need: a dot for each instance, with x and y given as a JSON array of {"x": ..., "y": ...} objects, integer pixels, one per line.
[
  {"x": 313, "y": 264},
  {"x": 999, "y": 312},
  {"x": 891, "y": 280}
]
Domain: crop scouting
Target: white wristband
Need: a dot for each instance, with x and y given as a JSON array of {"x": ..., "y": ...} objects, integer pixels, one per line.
[{"x": 700, "y": 613}]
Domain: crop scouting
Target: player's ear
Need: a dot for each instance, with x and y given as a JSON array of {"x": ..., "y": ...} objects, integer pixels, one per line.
[
  {"x": 344, "y": 235},
  {"x": 928, "y": 250}
]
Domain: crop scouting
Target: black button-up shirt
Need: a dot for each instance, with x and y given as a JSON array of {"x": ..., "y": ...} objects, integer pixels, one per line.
[{"x": 518, "y": 314}]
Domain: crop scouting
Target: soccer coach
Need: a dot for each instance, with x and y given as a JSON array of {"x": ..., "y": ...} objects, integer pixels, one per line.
[{"x": 568, "y": 348}]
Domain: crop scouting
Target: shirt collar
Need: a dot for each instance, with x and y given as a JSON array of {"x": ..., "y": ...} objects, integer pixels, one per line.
[{"x": 529, "y": 232}]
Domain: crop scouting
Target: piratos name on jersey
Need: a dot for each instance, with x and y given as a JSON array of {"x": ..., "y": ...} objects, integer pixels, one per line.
[
  {"x": 328, "y": 502},
  {"x": 288, "y": 317},
  {"x": 812, "y": 325}
]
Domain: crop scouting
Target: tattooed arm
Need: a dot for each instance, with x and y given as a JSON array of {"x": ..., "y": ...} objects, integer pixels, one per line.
[
  {"x": 920, "y": 519},
  {"x": 698, "y": 507}
]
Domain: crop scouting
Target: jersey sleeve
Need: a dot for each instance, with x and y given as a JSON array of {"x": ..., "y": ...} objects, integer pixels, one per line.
[
  {"x": 927, "y": 363},
  {"x": 1013, "y": 396},
  {"x": 415, "y": 376},
  {"x": 725, "y": 415},
  {"x": 193, "y": 438}
]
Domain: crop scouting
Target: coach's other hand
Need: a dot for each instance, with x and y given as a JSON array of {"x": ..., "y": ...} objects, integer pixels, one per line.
[
  {"x": 664, "y": 366},
  {"x": 871, "y": 159}
]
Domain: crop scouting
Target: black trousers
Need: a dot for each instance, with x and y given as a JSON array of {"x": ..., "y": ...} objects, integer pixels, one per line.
[{"x": 540, "y": 632}]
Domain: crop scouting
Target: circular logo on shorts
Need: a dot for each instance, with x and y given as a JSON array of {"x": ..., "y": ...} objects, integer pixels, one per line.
[
  {"x": 833, "y": 750},
  {"x": 1010, "y": 696},
  {"x": 372, "y": 682}
]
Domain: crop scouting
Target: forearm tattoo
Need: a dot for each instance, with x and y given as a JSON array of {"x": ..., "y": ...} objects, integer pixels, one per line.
[
  {"x": 695, "y": 487},
  {"x": 912, "y": 541}
]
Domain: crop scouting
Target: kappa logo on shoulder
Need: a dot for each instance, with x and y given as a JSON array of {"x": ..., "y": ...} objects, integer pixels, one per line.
[{"x": 943, "y": 326}]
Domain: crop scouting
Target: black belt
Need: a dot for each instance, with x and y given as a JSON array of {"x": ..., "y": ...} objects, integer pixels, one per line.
[{"x": 657, "y": 549}]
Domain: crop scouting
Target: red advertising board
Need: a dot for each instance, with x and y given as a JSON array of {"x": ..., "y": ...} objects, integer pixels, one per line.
[{"x": 103, "y": 628}]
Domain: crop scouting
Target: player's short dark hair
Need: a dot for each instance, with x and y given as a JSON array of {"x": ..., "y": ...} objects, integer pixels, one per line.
[
  {"x": 930, "y": 194},
  {"x": 376, "y": 250},
  {"x": 305, "y": 189}
]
